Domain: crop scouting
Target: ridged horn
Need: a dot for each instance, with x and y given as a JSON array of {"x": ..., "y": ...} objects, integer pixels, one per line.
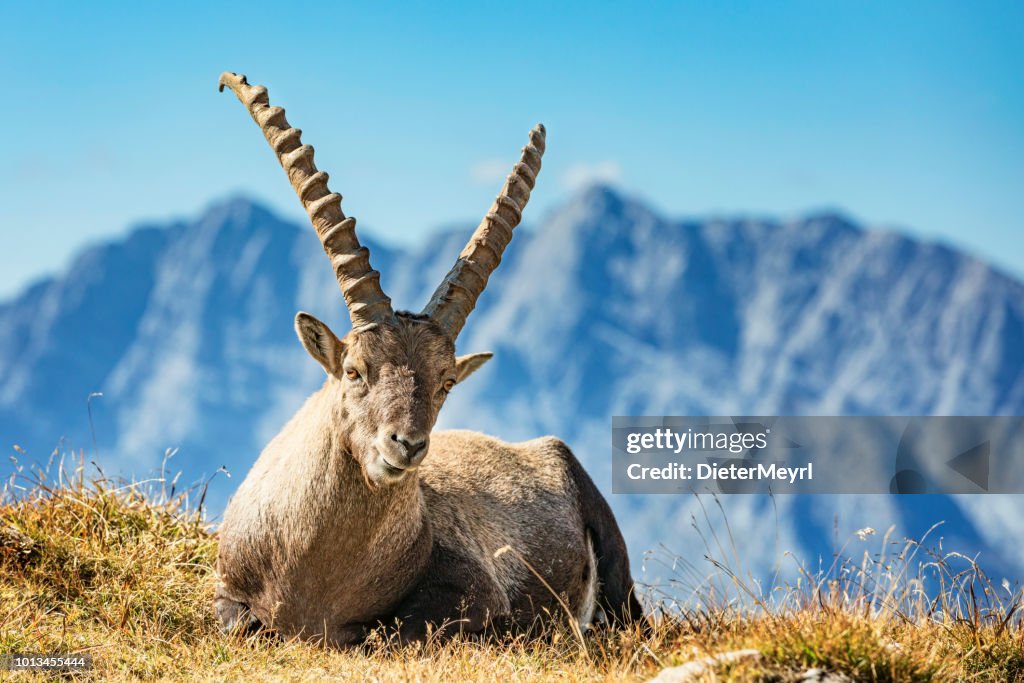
[
  {"x": 360, "y": 284},
  {"x": 456, "y": 296}
]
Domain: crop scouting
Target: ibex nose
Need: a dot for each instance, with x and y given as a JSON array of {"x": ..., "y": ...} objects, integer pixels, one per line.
[{"x": 415, "y": 447}]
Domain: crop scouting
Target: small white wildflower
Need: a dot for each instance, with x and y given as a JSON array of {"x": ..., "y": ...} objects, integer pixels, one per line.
[{"x": 863, "y": 534}]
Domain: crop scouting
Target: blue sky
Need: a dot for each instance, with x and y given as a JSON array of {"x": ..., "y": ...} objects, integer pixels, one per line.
[{"x": 910, "y": 116}]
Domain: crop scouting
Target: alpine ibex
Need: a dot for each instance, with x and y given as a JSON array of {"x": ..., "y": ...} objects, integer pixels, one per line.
[{"x": 345, "y": 524}]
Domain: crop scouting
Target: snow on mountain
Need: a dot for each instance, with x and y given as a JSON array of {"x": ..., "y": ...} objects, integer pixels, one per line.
[{"x": 607, "y": 308}]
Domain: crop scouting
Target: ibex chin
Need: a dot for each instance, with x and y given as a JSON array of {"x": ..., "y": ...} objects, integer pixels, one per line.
[{"x": 345, "y": 523}]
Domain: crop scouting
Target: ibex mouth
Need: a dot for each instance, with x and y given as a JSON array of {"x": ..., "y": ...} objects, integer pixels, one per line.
[
  {"x": 390, "y": 469},
  {"x": 381, "y": 471}
]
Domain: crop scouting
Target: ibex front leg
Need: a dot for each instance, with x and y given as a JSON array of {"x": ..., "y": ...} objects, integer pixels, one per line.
[
  {"x": 455, "y": 595},
  {"x": 235, "y": 617}
]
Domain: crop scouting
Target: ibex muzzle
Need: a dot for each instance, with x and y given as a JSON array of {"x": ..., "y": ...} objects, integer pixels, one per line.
[{"x": 355, "y": 515}]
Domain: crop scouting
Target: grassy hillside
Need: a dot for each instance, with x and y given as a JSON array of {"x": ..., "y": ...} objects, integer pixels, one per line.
[{"x": 125, "y": 573}]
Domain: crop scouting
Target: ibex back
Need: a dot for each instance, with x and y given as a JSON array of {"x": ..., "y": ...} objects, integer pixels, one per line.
[{"x": 357, "y": 516}]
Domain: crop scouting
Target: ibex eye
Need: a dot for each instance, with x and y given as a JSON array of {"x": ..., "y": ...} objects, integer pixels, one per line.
[
  {"x": 448, "y": 384},
  {"x": 352, "y": 373}
]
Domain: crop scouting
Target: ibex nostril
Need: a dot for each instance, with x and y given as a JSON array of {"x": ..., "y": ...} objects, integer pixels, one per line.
[{"x": 414, "y": 450}]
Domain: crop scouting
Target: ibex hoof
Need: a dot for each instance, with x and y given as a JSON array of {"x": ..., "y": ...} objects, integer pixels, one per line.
[{"x": 235, "y": 617}]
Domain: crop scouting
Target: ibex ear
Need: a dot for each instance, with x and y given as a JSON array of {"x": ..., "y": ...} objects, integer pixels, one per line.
[
  {"x": 468, "y": 364},
  {"x": 320, "y": 342}
]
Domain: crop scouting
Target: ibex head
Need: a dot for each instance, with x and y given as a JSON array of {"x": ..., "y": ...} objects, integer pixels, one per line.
[{"x": 393, "y": 371}]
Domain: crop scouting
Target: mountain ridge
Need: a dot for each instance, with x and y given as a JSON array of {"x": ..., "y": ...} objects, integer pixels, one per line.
[{"x": 606, "y": 308}]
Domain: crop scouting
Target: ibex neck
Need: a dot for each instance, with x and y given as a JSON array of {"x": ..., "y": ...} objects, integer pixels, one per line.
[
  {"x": 376, "y": 537},
  {"x": 363, "y": 515},
  {"x": 306, "y": 511}
]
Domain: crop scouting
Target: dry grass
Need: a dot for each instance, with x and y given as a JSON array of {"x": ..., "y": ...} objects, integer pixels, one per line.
[{"x": 125, "y": 573}]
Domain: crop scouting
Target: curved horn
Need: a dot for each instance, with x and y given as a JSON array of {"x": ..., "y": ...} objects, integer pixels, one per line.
[
  {"x": 360, "y": 284},
  {"x": 456, "y": 296}
]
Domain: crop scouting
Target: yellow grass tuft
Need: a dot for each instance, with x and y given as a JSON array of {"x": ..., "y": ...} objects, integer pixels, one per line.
[{"x": 125, "y": 573}]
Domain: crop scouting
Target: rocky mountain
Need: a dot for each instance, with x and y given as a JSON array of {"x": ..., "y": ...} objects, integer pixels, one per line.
[{"x": 606, "y": 308}]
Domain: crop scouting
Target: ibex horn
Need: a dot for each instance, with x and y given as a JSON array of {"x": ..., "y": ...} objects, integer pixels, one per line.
[
  {"x": 455, "y": 298},
  {"x": 360, "y": 284}
]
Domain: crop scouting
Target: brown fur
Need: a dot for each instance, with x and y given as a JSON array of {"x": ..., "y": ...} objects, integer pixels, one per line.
[
  {"x": 344, "y": 523},
  {"x": 321, "y": 541}
]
